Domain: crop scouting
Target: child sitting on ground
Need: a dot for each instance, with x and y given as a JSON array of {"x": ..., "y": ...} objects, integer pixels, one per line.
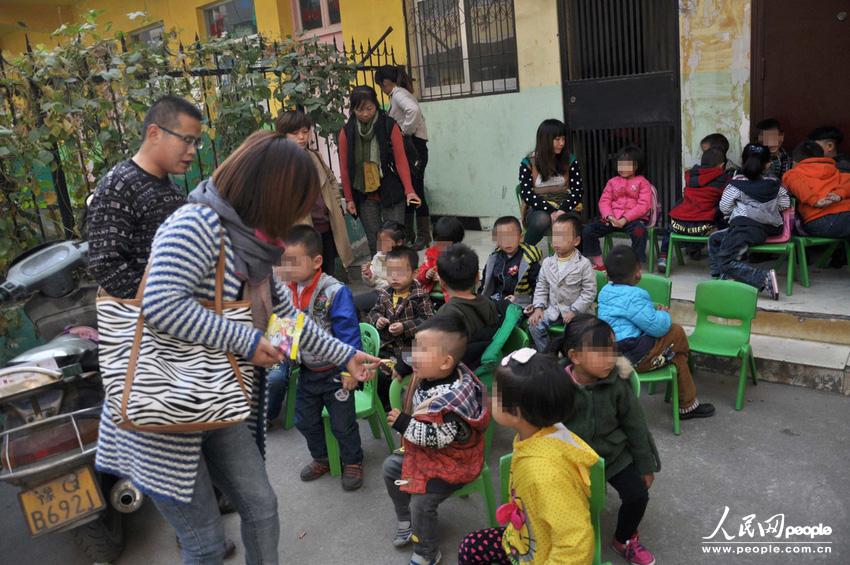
[
  {"x": 510, "y": 274},
  {"x": 458, "y": 274},
  {"x": 442, "y": 427},
  {"x": 753, "y": 201},
  {"x": 625, "y": 205},
  {"x": 400, "y": 309},
  {"x": 769, "y": 133},
  {"x": 547, "y": 519},
  {"x": 830, "y": 138},
  {"x": 697, "y": 213},
  {"x": 608, "y": 416},
  {"x": 645, "y": 333},
  {"x": 567, "y": 283},
  {"x": 390, "y": 236},
  {"x": 320, "y": 385},
  {"x": 447, "y": 230},
  {"x": 822, "y": 192}
]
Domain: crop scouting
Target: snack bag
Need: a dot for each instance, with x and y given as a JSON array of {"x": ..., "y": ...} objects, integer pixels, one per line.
[{"x": 285, "y": 334}]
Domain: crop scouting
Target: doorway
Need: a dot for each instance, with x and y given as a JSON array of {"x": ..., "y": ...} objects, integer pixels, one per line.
[
  {"x": 799, "y": 73},
  {"x": 620, "y": 69}
]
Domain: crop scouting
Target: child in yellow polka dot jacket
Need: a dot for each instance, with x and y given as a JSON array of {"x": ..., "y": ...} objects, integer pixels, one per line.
[{"x": 548, "y": 515}]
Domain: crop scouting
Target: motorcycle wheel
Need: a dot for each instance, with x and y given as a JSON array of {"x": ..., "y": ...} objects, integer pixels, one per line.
[{"x": 102, "y": 540}]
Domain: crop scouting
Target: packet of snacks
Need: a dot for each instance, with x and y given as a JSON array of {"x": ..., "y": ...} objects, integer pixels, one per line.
[{"x": 285, "y": 334}]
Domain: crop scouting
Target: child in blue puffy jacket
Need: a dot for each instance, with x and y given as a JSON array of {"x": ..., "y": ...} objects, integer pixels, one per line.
[{"x": 645, "y": 333}]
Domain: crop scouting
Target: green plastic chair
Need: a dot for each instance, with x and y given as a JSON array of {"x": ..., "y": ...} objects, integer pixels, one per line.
[
  {"x": 651, "y": 238},
  {"x": 676, "y": 242},
  {"x": 804, "y": 242},
  {"x": 483, "y": 483},
  {"x": 291, "y": 392},
  {"x": 598, "y": 486},
  {"x": 729, "y": 300},
  {"x": 367, "y": 405},
  {"x": 601, "y": 280},
  {"x": 660, "y": 289}
]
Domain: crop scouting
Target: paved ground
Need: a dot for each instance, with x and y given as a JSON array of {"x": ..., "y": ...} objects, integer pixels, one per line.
[{"x": 786, "y": 452}]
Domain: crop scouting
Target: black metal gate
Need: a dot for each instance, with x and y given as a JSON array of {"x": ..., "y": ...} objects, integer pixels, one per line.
[{"x": 620, "y": 69}]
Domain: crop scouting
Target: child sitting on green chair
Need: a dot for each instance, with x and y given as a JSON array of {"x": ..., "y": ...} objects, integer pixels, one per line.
[
  {"x": 608, "y": 416},
  {"x": 645, "y": 333},
  {"x": 547, "y": 519},
  {"x": 442, "y": 427}
]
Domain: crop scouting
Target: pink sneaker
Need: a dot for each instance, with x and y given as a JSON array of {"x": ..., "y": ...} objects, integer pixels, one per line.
[{"x": 634, "y": 552}]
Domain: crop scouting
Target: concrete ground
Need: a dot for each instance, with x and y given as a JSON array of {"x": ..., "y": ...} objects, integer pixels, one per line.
[{"x": 785, "y": 453}]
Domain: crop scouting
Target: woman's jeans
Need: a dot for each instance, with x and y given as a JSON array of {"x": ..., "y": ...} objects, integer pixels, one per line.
[
  {"x": 231, "y": 461},
  {"x": 537, "y": 225},
  {"x": 373, "y": 215}
]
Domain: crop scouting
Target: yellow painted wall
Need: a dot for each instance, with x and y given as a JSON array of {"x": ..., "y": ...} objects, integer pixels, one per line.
[
  {"x": 538, "y": 51},
  {"x": 274, "y": 17},
  {"x": 715, "y": 66},
  {"x": 367, "y": 20}
]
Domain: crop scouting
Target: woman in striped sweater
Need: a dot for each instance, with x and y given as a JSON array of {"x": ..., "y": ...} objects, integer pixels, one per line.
[{"x": 250, "y": 202}]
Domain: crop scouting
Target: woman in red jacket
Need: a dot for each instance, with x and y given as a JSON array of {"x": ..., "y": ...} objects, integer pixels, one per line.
[{"x": 375, "y": 173}]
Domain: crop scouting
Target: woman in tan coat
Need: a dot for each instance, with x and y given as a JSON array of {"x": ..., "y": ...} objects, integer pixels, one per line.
[{"x": 326, "y": 214}]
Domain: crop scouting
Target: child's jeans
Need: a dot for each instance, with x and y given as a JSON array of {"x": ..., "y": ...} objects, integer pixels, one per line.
[
  {"x": 594, "y": 230},
  {"x": 418, "y": 509},
  {"x": 320, "y": 390},
  {"x": 483, "y": 546},
  {"x": 726, "y": 248},
  {"x": 673, "y": 347},
  {"x": 540, "y": 332},
  {"x": 278, "y": 385},
  {"x": 634, "y": 496}
]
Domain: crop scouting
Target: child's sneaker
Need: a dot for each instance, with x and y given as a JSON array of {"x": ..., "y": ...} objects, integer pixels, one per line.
[
  {"x": 352, "y": 477},
  {"x": 662, "y": 264},
  {"x": 599, "y": 268},
  {"x": 314, "y": 469},
  {"x": 403, "y": 534},
  {"x": 417, "y": 559},
  {"x": 634, "y": 552},
  {"x": 771, "y": 285}
]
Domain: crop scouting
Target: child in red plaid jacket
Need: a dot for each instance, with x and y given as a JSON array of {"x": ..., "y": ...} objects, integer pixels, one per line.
[{"x": 442, "y": 431}]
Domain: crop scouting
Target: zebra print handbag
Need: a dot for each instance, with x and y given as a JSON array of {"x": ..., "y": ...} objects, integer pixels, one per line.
[{"x": 155, "y": 382}]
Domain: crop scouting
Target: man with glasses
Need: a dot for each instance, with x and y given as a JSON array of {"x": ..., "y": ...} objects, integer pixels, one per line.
[{"x": 137, "y": 195}]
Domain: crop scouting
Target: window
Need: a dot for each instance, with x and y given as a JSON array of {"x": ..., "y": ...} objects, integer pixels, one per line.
[
  {"x": 234, "y": 18},
  {"x": 152, "y": 34},
  {"x": 312, "y": 15},
  {"x": 463, "y": 47}
]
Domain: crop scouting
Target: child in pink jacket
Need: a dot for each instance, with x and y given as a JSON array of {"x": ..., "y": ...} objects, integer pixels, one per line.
[{"x": 625, "y": 205}]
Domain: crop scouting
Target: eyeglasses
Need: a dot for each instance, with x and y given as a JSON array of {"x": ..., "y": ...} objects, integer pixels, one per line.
[{"x": 187, "y": 139}]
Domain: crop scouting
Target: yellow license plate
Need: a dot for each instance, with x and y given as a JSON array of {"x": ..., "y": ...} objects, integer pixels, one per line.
[{"x": 56, "y": 503}]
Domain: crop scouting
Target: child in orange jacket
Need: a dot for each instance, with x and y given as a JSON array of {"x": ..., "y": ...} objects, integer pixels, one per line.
[{"x": 822, "y": 192}]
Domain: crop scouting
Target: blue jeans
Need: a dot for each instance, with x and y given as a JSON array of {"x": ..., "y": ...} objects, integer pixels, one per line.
[
  {"x": 317, "y": 391},
  {"x": 540, "y": 332},
  {"x": 833, "y": 225},
  {"x": 231, "y": 461},
  {"x": 726, "y": 248},
  {"x": 278, "y": 385}
]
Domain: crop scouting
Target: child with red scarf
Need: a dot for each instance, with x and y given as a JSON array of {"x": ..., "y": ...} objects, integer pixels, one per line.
[
  {"x": 330, "y": 304},
  {"x": 698, "y": 213},
  {"x": 447, "y": 230}
]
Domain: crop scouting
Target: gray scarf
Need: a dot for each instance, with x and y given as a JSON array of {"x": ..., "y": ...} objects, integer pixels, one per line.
[{"x": 253, "y": 257}]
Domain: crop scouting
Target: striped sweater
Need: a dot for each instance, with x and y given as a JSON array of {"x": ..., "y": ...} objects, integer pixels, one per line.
[{"x": 183, "y": 261}]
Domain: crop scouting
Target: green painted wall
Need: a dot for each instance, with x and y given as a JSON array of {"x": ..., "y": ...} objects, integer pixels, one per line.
[{"x": 476, "y": 145}]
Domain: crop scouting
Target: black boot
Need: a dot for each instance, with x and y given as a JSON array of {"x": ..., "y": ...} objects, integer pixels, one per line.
[{"x": 423, "y": 233}]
